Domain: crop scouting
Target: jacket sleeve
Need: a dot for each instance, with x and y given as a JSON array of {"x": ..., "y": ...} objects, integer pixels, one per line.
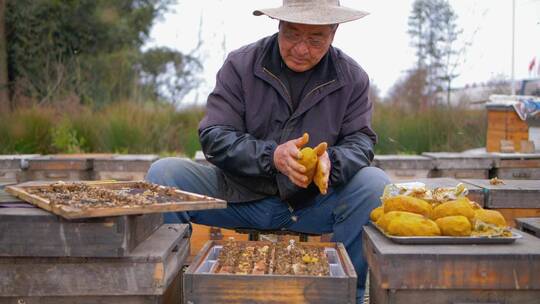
[
  {"x": 222, "y": 132},
  {"x": 352, "y": 153},
  {"x": 354, "y": 148},
  {"x": 238, "y": 153}
]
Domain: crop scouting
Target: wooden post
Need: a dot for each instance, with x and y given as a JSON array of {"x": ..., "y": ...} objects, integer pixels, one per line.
[{"x": 4, "y": 90}]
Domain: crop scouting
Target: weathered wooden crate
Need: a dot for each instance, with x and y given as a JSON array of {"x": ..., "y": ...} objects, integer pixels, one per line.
[
  {"x": 12, "y": 166},
  {"x": 123, "y": 167},
  {"x": 460, "y": 165},
  {"x": 59, "y": 167},
  {"x": 441, "y": 274},
  {"x": 475, "y": 193},
  {"x": 505, "y": 124},
  {"x": 227, "y": 288},
  {"x": 530, "y": 225},
  {"x": 514, "y": 198},
  {"x": 517, "y": 166},
  {"x": 149, "y": 274},
  {"x": 400, "y": 167},
  {"x": 33, "y": 232},
  {"x": 510, "y": 194}
]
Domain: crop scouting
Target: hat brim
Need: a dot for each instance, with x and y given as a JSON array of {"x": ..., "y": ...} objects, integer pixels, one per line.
[{"x": 314, "y": 15}]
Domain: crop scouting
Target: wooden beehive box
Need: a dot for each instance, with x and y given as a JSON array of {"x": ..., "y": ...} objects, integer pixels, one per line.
[
  {"x": 514, "y": 198},
  {"x": 441, "y": 274},
  {"x": 202, "y": 286},
  {"x": 12, "y": 166},
  {"x": 26, "y": 231},
  {"x": 400, "y": 167},
  {"x": 517, "y": 166},
  {"x": 148, "y": 275},
  {"x": 460, "y": 165},
  {"x": 504, "y": 124},
  {"x": 123, "y": 167},
  {"x": 59, "y": 167}
]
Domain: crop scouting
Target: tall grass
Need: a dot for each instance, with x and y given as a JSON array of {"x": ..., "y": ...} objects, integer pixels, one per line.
[
  {"x": 436, "y": 129},
  {"x": 129, "y": 127},
  {"x": 124, "y": 127}
]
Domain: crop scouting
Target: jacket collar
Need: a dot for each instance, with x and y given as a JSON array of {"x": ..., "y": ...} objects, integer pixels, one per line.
[{"x": 326, "y": 79}]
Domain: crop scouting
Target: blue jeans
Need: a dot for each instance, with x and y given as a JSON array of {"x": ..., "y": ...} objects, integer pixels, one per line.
[{"x": 342, "y": 211}]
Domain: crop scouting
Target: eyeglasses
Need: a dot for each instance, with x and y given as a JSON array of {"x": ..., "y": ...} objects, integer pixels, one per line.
[{"x": 295, "y": 38}]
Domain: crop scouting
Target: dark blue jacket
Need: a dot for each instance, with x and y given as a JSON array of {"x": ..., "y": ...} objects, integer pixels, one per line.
[{"x": 249, "y": 113}]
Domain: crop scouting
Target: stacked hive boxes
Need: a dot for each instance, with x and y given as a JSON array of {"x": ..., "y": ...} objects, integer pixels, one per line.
[{"x": 125, "y": 259}]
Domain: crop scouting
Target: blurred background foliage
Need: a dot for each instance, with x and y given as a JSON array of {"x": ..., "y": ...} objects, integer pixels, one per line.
[
  {"x": 121, "y": 127},
  {"x": 90, "y": 50},
  {"x": 80, "y": 80}
]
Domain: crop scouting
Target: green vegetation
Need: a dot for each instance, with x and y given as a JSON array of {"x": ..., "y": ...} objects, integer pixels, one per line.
[
  {"x": 435, "y": 129},
  {"x": 148, "y": 128},
  {"x": 91, "y": 51},
  {"x": 118, "y": 128}
]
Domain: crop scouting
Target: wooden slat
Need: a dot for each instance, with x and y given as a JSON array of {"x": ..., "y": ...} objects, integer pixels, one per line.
[
  {"x": 147, "y": 271},
  {"x": 125, "y": 163},
  {"x": 453, "y": 267},
  {"x": 58, "y": 162},
  {"x": 511, "y": 194},
  {"x": 453, "y": 161},
  {"x": 405, "y": 162},
  {"x": 15, "y": 162},
  {"x": 460, "y": 173},
  {"x": 172, "y": 295},
  {"x": 517, "y": 173},
  {"x": 196, "y": 202}
]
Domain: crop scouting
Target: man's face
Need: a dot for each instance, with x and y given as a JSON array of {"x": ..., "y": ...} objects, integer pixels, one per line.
[{"x": 302, "y": 46}]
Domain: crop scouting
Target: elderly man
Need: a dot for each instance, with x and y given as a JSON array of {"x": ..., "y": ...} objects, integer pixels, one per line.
[{"x": 268, "y": 94}]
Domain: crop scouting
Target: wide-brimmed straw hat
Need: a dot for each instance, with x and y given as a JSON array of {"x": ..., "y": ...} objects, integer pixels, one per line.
[{"x": 312, "y": 12}]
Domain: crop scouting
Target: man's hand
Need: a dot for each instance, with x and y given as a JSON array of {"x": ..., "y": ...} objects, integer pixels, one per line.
[
  {"x": 286, "y": 158},
  {"x": 323, "y": 172}
]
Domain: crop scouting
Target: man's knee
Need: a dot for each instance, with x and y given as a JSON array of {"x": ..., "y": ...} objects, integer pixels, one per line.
[
  {"x": 164, "y": 170},
  {"x": 370, "y": 179},
  {"x": 365, "y": 189}
]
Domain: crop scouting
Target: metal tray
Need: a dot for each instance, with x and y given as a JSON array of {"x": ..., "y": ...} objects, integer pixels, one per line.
[{"x": 449, "y": 240}]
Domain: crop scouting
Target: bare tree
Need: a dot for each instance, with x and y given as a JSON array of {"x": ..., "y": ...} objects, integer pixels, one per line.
[{"x": 433, "y": 28}]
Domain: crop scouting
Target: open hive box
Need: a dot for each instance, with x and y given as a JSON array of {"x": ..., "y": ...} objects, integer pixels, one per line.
[
  {"x": 264, "y": 272},
  {"x": 104, "y": 198}
]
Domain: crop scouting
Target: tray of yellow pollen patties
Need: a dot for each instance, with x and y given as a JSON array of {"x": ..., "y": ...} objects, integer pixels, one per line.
[
  {"x": 451, "y": 240},
  {"x": 415, "y": 215}
]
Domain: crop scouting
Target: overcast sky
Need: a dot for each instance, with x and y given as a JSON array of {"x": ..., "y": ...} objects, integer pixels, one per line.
[{"x": 378, "y": 42}]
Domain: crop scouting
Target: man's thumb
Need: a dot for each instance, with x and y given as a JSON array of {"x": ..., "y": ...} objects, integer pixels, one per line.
[
  {"x": 302, "y": 141},
  {"x": 321, "y": 148}
]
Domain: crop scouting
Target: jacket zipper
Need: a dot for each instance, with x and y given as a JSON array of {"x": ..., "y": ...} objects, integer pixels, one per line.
[
  {"x": 291, "y": 209},
  {"x": 318, "y": 87},
  {"x": 282, "y": 84}
]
